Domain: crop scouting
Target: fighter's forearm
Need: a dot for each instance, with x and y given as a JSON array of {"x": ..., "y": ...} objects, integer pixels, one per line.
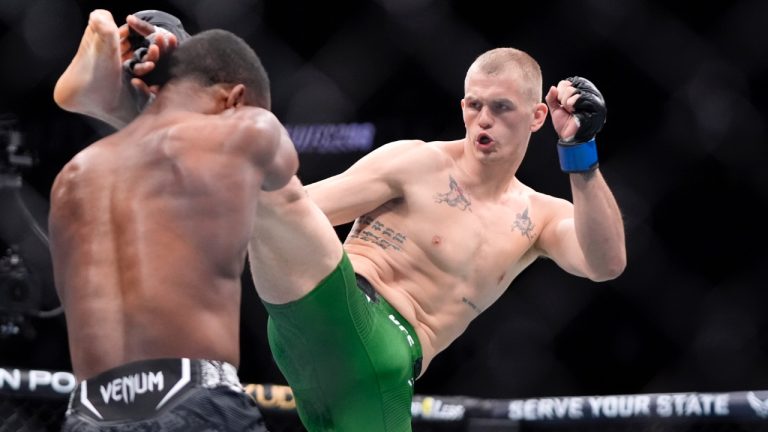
[{"x": 599, "y": 225}]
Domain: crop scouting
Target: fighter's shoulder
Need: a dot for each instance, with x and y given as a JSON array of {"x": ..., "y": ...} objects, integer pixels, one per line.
[
  {"x": 412, "y": 145},
  {"x": 251, "y": 131},
  {"x": 249, "y": 124},
  {"x": 543, "y": 204},
  {"x": 234, "y": 119},
  {"x": 414, "y": 150},
  {"x": 249, "y": 118}
]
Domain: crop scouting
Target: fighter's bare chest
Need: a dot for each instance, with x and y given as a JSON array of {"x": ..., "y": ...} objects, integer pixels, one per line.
[
  {"x": 454, "y": 230},
  {"x": 481, "y": 235}
]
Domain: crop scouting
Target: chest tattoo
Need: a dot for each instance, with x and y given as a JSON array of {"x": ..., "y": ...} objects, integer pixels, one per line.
[
  {"x": 455, "y": 197},
  {"x": 524, "y": 224},
  {"x": 371, "y": 230}
]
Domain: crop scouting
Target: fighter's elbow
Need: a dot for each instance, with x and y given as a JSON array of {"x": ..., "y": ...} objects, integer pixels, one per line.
[{"x": 610, "y": 269}]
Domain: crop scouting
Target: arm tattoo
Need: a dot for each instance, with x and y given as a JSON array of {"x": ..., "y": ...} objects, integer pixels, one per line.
[
  {"x": 371, "y": 230},
  {"x": 469, "y": 303},
  {"x": 524, "y": 224},
  {"x": 455, "y": 197}
]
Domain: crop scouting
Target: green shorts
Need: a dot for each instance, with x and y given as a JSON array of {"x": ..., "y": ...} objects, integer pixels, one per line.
[{"x": 349, "y": 357}]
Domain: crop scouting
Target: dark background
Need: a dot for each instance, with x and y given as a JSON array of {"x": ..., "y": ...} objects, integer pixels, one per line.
[{"x": 684, "y": 150}]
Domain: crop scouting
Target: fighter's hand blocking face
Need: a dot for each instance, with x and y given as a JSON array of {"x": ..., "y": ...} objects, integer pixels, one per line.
[
  {"x": 578, "y": 114},
  {"x": 146, "y": 37},
  {"x": 151, "y": 33}
]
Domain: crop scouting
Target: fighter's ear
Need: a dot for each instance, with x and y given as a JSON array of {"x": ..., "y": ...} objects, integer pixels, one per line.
[
  {"x": 539, "y": 115},
  {"x": 236, "y": 96}
]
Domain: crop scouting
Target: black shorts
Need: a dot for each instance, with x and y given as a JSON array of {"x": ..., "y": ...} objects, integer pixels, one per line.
[{"x": 164, "y": 395}]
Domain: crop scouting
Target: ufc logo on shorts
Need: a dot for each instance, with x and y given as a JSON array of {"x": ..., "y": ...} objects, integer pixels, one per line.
[{"x": 402, "y": 329}]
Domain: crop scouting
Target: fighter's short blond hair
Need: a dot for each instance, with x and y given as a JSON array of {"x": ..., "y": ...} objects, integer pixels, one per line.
[{"x": 500, "y": 60}]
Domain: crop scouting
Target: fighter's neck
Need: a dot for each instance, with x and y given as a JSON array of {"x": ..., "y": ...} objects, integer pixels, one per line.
[
  {"x": 184, "y": 97},
  {"x": 487, "y": 178}
]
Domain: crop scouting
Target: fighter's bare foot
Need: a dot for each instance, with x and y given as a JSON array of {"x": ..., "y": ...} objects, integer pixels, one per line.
[{"x": 93, "y": 82}]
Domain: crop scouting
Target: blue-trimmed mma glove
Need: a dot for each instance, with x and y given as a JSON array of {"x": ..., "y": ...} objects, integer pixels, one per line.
[{"x": 579, "y": 154}]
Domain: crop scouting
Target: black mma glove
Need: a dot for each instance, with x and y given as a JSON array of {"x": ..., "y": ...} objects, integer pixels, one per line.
[
  {"x": 163, "y": 22},
  {"x": 579, "y": 154}
]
